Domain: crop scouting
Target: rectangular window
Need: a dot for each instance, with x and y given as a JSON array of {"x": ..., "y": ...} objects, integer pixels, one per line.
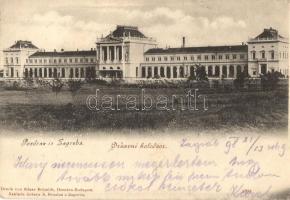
[
  {"x": 272, "y": 55},
  {"x": 234, "y": 56},
  {"x": 86, "y": 60},
  {"x": 242, "y": 56},
  {"x": 6, "y": 60},
  {"x": 35, "y": 60},
  {"x": 40, "y": 60},
  {"x": 263, "y": 54},
  {"x": 220, "y": 57},
  {"x": 30, "y": 60},
  {"x": 172, "y": 58},
  {"x": 76, "y": 60},
  {"x": 147, "y": 59},
  {"x": 16, "y": 60},
  {"x": 59, "y": 60},
  {"x": 178, "y": 58},
  {"x": 165, "y": 58},
  {"x": 92, "y": 60},
  {"x": 153, "y": 58},
  {"x": 227, "y": 57},
  {"x": 213, "y": 57},
  {"x": 159, "y": 58},
  {"x": 64, "y": 60},
  {"x": 11, "y": 60},
  {"x": 26, "y": 60},
  {"x": 184, "y": 58},
  {"x": 254, "y": 55},
  {"x": 199, "y": 57},
  {"x": 192, "y": 57},
  {"x": 70, "y": 60},
  {"x": 54, "y": 61},
  {"x": 44, "y": 60},
  {"x": 206, "y": 57}
]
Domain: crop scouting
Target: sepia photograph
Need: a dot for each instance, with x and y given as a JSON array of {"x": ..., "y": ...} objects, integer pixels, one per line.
[
  {"x": 194, "y": 84},
  {"x": 191, "y": 65}
]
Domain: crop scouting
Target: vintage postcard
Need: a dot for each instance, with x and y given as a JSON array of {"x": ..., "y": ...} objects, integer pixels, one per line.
[{"x": 141, "y": 99}]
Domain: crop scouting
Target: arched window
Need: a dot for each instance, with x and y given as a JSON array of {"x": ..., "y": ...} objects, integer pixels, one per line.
[
  {"x": 155, "y": 72},
  {"x": 149, "y": 74},
  {"x": 246, "y": 69},
  {"x": 217, "y": 71},
  {"x": 209, "y": 71},
  {"x": 239, "y": 70},
  {"x": 174, "y": 72},
  {"x": 45, "y": 73},
  {"x": 191, "y": 71},
  {"x": 162, "y": 72},
  {"x": 181, "y": 72},
  {"x": 224, "y": 71},
  {"x": 143, "y": 73},
  {"x": 168, "y": 72},
  {"x": 232, "y": 71}
]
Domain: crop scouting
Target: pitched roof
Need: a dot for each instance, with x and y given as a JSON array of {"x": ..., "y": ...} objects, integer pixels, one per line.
[
  {"x": 269, "y": 34},
  {"x": 206, "y": 49},
  {"x": 64, "y": 53},
  {"x": 122, "y": 31},
  {"x": 23, "y": 44}
]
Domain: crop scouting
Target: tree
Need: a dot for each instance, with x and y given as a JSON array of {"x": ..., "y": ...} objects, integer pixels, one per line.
[
  {"x": 239, "y": 82},
  {"x": 56, "y": 85},
  {"x": 270, "y": 79},
  {"x": 199, "y": 75},
  {"x": 28, "y": 81},
  {"x": 74, "y": 86}
]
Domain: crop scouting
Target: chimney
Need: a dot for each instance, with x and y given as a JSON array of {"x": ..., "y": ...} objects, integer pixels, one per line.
[
  {"x": 91, "y": 49},
  {"x": 183, "y": 42},
  {"x": 54, "y": 50},
  {"x": 62, "y": 50}
]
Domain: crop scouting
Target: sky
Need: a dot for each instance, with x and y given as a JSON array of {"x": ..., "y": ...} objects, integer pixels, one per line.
[{"x": 76, "y": 24}]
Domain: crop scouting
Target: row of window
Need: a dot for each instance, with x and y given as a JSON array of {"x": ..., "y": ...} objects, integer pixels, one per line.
[
  {"x": 198, "y": 57},
  {"x": 60, "y": 60},
  {"x": 174, "y": 72},
  {"x": 283, "y": 55},
  {"x": 111, "y": 68},
  {"x": 53, "y": 72},
  {"x": 12, "y": 60}
]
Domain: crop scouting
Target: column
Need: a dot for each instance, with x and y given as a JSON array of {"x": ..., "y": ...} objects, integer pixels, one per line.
[
  {"x": 235, "y": 71},
  {"x": 177, "y": 72},
  {"x": 108, "y": 54},
  {"x": 171, "y": 71},
  {"x": 158, "y": 71},
  {"x": 115, "y": 53},
  {"x": 98, "y": 53},
  {"x": 228, "y": 71},
  {"x": 102, "y": 54},
  {"x": 221, "y": 71},
  {"x": 206, "y": 69},
  {"x": 123, "y": 56}
]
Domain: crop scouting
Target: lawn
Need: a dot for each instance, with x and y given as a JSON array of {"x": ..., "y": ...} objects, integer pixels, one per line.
[{"x": 41, "y": 109}]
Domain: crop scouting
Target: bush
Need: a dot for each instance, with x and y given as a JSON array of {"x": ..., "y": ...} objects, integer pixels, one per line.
[
  {"x": 74, "y": 86},
  {"x": 56, "y": 85},
  {"x": 270, "y": 79}
]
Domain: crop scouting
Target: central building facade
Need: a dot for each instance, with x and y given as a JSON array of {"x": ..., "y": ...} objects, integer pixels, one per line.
[{"x": 120, "y": 53}]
